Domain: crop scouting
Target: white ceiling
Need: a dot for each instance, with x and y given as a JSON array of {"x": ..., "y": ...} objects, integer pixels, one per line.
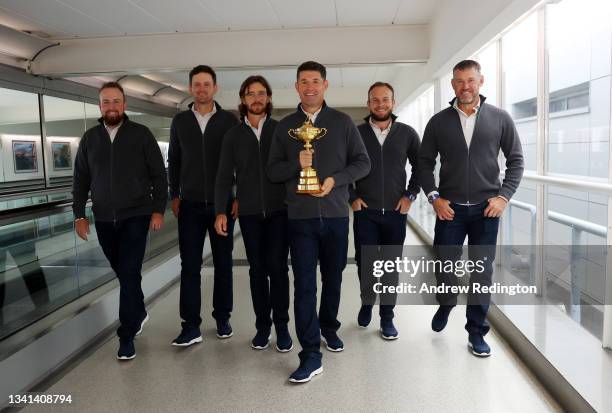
[
  {"x": 93, "y": 18},
  {"x": 82, "y": 20}
]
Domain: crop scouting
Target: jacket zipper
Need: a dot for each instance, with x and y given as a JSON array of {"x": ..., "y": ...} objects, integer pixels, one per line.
[
  {"x": 469, "y": 162},
  {"x": 204, "y": 163},
  {"x": 382, "y": 168},
  {"x": 263, "y": 202},
  {"x": 316, "y": 165},
  {"x": 111, "y": 176}
]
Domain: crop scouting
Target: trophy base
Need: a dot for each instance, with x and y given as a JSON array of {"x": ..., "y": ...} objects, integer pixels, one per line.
[
  {"x": 308, "y": 189},
  {"x": 309, "y": 182}
]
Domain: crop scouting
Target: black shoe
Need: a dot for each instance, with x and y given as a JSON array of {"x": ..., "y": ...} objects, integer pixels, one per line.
[
  {"x": 478, "y": 345},
  {"x": 307, "y": 370},
  {"x": 127, "y": 351},
  {"x": 143, "y": 320},
  {"x": 284, "y": 343},
  {"x": 365, "y": 316},
  {"x": 261, "y": 340},
  {"x": 224, "y": 329},
  {"x": 188, "y": 337},
  {"x": 440, "y": 318},
  {"x": 333, "y": 342},
  {"x": 388, "y": 330}
]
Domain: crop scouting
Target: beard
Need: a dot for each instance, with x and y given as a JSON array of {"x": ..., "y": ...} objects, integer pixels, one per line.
[
  {"x": 256, "y": 110},
  {"x": 112, "y": 118},
  {"x": 383, "y": 118},
  {"x": 467, "y": 101}
]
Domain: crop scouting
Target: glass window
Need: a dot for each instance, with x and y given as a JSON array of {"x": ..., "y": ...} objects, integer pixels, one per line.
[
  {"x": 64, "y": 127},
  {"x": 21, "y": 164},
  {"x": 519, "y": 65},
  {"x": 487, "y": 58},
  {"x": 446, "y": 90},
  {"x": 579, "y": 85}
]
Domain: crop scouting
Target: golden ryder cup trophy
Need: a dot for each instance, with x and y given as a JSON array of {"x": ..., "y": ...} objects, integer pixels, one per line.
[{"x": 309, "y": 182}]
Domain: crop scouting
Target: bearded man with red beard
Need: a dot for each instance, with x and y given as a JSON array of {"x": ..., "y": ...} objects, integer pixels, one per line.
[{"x": 120, "y": 163}]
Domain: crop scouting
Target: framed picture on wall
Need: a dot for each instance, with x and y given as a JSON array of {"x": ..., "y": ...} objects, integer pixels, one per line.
[
  {"x": 62, "y": 155},
  {"x": 24, "y": 156}
]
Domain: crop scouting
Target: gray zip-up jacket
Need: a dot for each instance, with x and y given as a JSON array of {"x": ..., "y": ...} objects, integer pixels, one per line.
[
  {"x": 247, "y": 157},
  {"x": 383, "y": 187},
  {"x": 471, "y": 175},
  {"x": 339, "y": 154}
]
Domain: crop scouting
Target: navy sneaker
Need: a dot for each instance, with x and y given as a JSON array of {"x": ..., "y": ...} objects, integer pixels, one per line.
[
  {"x": 365, "y": 316},
  {"x": 283, "y": 340},
  {"x": 307, "y": 370},
  {"x": 143, "y": 320},
  {"x": 478, "y": 345},
  {"x": 333, "y": 342},
  {"x": 440, "y": 318},
  {"x": 127, "y": 351},
  {"x": 261, "y": 340},
  {"x": 388, "y": 330},
  {"x": 188, "y": 337},
  {"x": 224, "y": 329}
]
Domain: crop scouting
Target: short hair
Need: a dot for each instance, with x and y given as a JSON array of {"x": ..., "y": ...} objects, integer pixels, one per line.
[
  {"x": 467, "y": 64},
  {"x": 203, "y": 69},
  {"x": 112, "y": 85},
  {"x": 382, "y": 84},
  {"x": 242, "y": 108},
  {"x": 312, "y": 66}
]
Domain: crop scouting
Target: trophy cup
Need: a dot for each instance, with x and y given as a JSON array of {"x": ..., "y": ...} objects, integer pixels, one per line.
[{"x": 309, "y": 182}]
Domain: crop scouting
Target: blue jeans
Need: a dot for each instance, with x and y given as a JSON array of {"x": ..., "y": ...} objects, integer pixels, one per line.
[
  {"x": 482, "y": 237},
  {"x": 123, "y": 243},
  {"x": 195, "y": 218},
  {"x": 311, "y": 240},
  {"x": 267, "y": 249},
  {"x": 372, "y": 227}
]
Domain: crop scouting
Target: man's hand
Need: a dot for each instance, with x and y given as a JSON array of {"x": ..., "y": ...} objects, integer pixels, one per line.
[
  {"x": 358, "y": 205},
  {"x": 306, "y": 158},
  {"x": 235, "y": 208},
  {"x": 221, "y": 224},
  {"x": 496, "y": 207},
  {"x": 443, "y": 209},
  {"x": 82, "y": 228},
  {"x": 176, "y": 202},
  {"x": 403, "y": 205},
  {"x": 326, "y": 188},
  {"x": 157, "y": 221}
]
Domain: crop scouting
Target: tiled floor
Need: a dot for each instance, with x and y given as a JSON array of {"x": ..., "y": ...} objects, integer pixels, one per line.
[{"x": 423, "y": 371}]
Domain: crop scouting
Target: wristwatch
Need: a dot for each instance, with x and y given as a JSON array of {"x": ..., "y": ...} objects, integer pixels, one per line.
[
  {"x": 412, "y": 197},
  {"x": 431, "y": 198}
]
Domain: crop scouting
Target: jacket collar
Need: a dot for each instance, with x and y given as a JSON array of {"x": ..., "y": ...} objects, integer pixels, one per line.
[
  {"x": 324, "y": 108},
  {"x": 217, "y": 105}
]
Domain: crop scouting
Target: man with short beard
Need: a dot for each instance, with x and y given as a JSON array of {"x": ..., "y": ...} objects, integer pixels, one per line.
[
  {"x": 120, "y": 162},
  {"x": 381, "y": 200},
  {"x": 196, "y": 135},
  {"x": 469, "y": 199},
  {"x": 262, "y": 211}
]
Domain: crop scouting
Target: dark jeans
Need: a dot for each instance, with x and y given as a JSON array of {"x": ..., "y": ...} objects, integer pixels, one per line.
[
  {"x": 123, "y": 243},
  {"x": 372, "y": 227},
  {"x": 325, "y": 240},
  {"x": 195, "y": 218},
  {"x": 267, "y": 248},
  {"x": 482, "y": 238}
]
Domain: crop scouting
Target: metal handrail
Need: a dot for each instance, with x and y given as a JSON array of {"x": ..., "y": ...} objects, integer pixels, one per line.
[{"x": 30, "y": 212}]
